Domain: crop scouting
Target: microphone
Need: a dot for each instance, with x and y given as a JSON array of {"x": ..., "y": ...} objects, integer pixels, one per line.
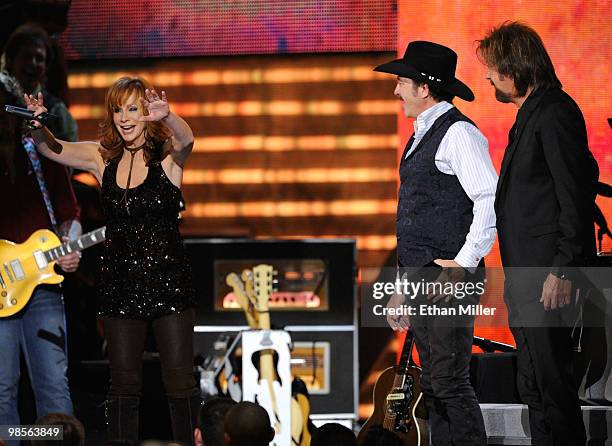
[{"x": 24, "y": 113}]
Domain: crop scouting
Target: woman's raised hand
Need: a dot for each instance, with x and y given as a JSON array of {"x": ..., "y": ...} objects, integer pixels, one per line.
[
  {"x": 36, "y": 105},
  {"x": 156, "y": 106}
]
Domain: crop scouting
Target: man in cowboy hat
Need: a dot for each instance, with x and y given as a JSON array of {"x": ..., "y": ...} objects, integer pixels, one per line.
[
  {"x": 545, "y": 213},
  {"x": 445, "y": 222}
]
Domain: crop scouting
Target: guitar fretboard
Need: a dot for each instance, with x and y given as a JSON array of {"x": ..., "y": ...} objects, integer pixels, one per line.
[
  {"x": 84, "y": 241},
  {"x": 406, "y": 356}
]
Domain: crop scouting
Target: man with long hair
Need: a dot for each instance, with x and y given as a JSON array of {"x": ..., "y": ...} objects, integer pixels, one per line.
[
  {"x": 36, "y": 194},
  {"x": 27, "y": 55},
  {"x": 544, "y": 206}
]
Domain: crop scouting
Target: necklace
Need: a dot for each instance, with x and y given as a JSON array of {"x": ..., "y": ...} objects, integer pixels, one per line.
[{"x": 132, "y": 152}]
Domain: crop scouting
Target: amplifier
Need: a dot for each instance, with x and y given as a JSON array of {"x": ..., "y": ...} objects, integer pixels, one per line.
[{"x": 316, "y": 279}]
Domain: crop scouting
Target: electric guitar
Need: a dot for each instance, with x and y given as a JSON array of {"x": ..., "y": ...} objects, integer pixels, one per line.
[
  {"x": 398, "y": 404},
  {"x": 262, "y": 288},
  {"x": 253, "y": 293},
  {"x": 25, "y": 266},
  {"x": 243, "y": 298}
]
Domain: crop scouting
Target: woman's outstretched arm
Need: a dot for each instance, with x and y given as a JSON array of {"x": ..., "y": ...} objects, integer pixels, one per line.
[
  {"x": 80, "y": 155},
  {"x": 159, "y": 110}
]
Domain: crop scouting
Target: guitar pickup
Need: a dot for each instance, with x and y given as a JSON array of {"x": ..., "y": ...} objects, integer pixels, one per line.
[
  {"x": 8, "y": 273},
  {"x": 17, "y": 269},
  {"x": 2, "y": 283},
  {"x": 40, "y": 259},
  {"x": 395, "y": 397}
]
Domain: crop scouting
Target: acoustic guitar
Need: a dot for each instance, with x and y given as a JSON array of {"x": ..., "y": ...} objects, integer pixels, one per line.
[
  {"x": 25, "y": 266},
  {"x": 398, "y": 404}
]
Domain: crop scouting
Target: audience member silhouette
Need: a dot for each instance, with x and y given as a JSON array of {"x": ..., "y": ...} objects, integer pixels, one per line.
[
  {"x": 247, "y": 424},
  {"x": 73, "y": 430},
  {"x": 379, "y": 436},
  {"x": 333, "y": 434},
  {"x": 210, "y": 422}
]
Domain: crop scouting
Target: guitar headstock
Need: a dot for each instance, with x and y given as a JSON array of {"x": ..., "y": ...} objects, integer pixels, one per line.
[
  {"x": 239, "y": 288},
  {"x": 263, "y": 282}
]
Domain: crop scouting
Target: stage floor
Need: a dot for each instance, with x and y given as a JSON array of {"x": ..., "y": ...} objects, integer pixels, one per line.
[{"x": 508, "y": 424}]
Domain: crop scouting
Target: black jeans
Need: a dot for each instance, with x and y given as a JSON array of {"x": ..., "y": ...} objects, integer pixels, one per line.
[
  {"x": 546, "y": 378},
  {"x": 444, "y": 344}
]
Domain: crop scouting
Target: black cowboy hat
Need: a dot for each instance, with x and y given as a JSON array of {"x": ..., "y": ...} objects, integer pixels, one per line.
[{"x": 431, "y": 63}]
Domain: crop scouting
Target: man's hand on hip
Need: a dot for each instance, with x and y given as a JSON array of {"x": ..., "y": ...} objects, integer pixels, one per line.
[
  {"x": 556, "y": 292},
  {"x": 397, "y": 322},
  {"x": 451, "y": 272}
]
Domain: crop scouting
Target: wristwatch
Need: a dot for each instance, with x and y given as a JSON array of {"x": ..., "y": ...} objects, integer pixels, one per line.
[{"x": 558, "y": 272}]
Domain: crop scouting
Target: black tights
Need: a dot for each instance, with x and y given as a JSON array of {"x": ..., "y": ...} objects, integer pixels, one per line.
[{"x": 174, "y": 337}]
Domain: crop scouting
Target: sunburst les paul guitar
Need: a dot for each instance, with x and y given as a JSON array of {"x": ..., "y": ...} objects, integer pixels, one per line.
[{"x": 25, "y": 266}]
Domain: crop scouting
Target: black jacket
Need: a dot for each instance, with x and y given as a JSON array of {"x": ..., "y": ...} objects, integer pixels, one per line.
[{"x": 546, "y": 190}]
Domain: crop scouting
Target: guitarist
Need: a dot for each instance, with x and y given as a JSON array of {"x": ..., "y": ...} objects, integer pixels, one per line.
[
  {"x": 446, "y": 222},
  {"x": 36, "y": 193}
]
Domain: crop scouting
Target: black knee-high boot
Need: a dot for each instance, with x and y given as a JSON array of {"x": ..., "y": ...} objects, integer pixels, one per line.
[
  {"x": 122, "y": 418},
  {"x": 184, "y": 417}
]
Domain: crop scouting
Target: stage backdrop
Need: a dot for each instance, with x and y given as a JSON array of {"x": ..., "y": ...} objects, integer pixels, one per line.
[
  {"x": 315, "y": 134},
  {"x": 576, "y": 34},
  {"x": 161, "y": 28}
]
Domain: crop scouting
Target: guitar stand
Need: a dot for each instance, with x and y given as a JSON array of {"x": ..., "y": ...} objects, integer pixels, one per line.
[{"x": 256, "y": 390}]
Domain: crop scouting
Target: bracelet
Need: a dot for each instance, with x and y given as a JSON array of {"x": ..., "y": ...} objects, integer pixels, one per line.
[{"x": 559, "y": 275}]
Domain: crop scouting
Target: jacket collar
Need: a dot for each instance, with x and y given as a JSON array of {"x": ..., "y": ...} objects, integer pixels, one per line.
[{"x": 522, "y": 117}]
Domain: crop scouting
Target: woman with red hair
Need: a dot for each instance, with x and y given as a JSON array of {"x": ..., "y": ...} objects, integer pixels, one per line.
[{"x": 144, "y": 275}]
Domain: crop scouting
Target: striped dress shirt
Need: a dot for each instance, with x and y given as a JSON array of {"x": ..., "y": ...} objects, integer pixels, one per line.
[{"x": 464, "y": 152}]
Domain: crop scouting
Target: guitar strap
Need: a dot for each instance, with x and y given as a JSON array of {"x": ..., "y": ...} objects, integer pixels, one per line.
[{"x": 30, "y": 148}]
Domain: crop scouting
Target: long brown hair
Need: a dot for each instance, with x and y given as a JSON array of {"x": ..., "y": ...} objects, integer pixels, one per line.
[
  {"x": 156, "y": 133},
  {"x": 516, "y": 50}
]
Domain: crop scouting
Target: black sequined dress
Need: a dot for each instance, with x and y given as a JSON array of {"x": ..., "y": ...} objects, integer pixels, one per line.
[{"x": 144, "y": 269}]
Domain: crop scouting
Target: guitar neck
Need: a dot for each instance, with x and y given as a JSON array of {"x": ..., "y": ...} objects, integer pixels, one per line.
[
  {"x": 84, "y": 241},
  {"x": 264, "y": 319},
  {"x": 406, "y": 356}
]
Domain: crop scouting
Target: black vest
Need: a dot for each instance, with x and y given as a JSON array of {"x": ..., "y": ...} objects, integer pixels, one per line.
[{"x": 434, "y": 213}]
